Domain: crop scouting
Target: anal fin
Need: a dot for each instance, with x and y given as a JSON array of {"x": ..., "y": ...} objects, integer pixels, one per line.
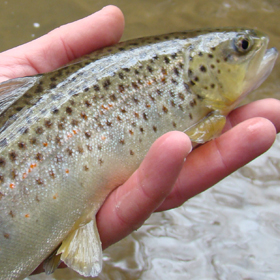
[{"x": 82, "y": 251}]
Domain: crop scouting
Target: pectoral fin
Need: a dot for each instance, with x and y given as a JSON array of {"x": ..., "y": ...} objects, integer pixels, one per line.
[
  {"x": 207, "y": 128},
  {"x": 82, "y": 251}
]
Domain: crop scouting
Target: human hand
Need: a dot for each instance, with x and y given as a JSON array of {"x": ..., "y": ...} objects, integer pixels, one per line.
[{"x": 168, "y": 176}]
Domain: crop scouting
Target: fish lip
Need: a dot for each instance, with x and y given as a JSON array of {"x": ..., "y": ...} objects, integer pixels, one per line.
[{"x": 266, "y": 65}]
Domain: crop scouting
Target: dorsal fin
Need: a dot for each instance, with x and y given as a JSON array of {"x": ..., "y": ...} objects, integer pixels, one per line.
[{"x": 12, "y": 90}]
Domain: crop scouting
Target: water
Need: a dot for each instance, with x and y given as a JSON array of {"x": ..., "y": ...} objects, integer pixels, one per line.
[{"x": 229, "y": 232}]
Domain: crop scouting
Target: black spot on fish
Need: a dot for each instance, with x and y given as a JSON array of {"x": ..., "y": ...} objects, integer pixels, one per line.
[
  {"x": 193, "y": 103},
  {"x": 68, "y": 110},
  {"x": 121, "y": 75},
  {"x": 61, "y": 126},
  {"x": 164, "y": 109},
  {"x": 55, "y": 111},
  {"x": 176, "y": 71},
  {"x": 87, "y": 103},
  {"x": 39, "y": 181},
  {"x": 13, "y": 156},
  {"x": 135, "y": 100},
  {"x": 2, "y": 162},
  {"x": 74, "y": 122},
  {"x": 210, "y": 55},
  {"x": 166, "y": 59},
  {"x": 39, "y": 89},
  {"x": 48, "y": 124},
  {"x": 83, "y": 115},
  {"x": 22, "y": 145},
  {"x": 203, "y": 68},
  {"x": 190, "y": 116},
  {"x": 134, "y": 85},
  {"x": 159, "y": 92},
  {"x": 186, "y": 86},
  {"x": 39, "y": 157},
  {"x": 106, "y": 84},
  {"x": 52, "y": 85},
  {"x": 121, "y": 88},
  {"x": 33, "y": 141},
  {"x": 131, "y": 152},
  {"x": 155, "y": 128},
  {"x": 200, "y": 54},
  {"x": 149, "y": 68},
  {"x": 14, "y": 174},
  {"x": 87, "y": 134},
  {"x": 126, "y": 69},
  {"x": 181, "y": 96},
  {"x": 96, "y": 87},
  {"x": 145, "y": 116},
  {"x": 113, "y": 97}
]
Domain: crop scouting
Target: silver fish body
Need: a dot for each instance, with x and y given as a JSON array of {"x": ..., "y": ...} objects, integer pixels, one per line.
[{"x": 69, "y": 137}]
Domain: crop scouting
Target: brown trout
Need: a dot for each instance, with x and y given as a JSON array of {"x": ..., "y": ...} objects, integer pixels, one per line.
[{"x": 69, "y": 137}]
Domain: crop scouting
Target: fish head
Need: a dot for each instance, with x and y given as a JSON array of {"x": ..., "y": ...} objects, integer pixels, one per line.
[{"x": 222, "y": 67}]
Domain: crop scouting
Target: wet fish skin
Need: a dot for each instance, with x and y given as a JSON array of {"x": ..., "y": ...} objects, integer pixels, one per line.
[{"x": 69, "y": 137}]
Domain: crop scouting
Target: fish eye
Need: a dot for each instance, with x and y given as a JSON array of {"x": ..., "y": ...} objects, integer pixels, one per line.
[{"x": 242, "y": 44}]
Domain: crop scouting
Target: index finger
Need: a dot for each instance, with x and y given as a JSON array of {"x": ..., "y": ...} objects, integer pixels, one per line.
[{"x": 63, "y": 44}]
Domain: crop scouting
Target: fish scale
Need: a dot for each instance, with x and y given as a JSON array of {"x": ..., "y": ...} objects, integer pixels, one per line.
[{"x": 71, "y": 136}]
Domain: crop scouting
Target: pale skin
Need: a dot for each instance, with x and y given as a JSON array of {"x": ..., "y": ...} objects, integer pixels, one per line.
[{"x": 170, "y": 174}]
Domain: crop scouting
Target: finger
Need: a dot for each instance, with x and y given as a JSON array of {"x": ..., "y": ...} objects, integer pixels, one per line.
[
  {"x": 63, "y": 44},
  {"x": 267, "y": 108},
  {"x": 132, "y": 203},
  {"x": 215, "y": 160}
]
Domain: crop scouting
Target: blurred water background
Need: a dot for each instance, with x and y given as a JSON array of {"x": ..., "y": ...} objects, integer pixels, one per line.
[{"x": 229, "y": 232}]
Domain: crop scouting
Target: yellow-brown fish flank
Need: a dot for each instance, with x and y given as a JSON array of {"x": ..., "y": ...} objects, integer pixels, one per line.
[{"x": 69, "y": 137}]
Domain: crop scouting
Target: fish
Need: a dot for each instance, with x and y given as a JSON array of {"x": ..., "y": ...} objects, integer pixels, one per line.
[{"x": 71, "y": 136}]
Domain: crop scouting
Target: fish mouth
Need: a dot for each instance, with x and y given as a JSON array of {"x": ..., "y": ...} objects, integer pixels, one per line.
[{"x": 265, "y": 67}]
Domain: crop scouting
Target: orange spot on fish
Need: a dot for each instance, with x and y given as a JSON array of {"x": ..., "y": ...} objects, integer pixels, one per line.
[
  {"x": 24, "y": 175},
  {"x": 103, "y": 138},
  {"x": 55, "y": 196},
  {"x": 75, "y": 131},
  {"x": 67, "y": 171},
  {"x": 27, "y": 216},
  {"x": 45, "y": 144},
  {"x": 149, "y": 83},
  {"x": 104, "y": 107},
  {"x": 33, "y": 165},
  {"x": 69, "y": 135},
  {"x": 12, "y": 185},
  {"x": 110, "y": 105},
  {"x": 29, "y": 170}
]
